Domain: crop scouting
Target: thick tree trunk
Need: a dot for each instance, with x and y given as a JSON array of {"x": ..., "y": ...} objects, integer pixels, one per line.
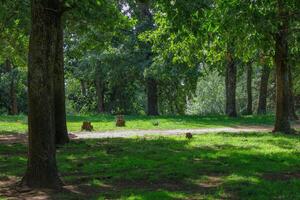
[
  {"x": 61, "y": 136},
  {"x": 230, "y": 82},
  {"x": 249, "y": 89},
  {"x": 292, "y": 115},
  {"x": 282, "y": 123},
  {"x": 152, "y": 97},
  {"x": 12, "y": 89},
  {"x": 100, "y": 95},
  {"x": 263, "y": 92},
  {"x": 41, "y": 167}
]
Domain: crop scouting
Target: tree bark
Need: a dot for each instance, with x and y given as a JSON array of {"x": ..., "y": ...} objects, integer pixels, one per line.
[
  {"x": 61, "y": 136},
  {"x": 100, "y": 95},
  {"x": 152, "y": 97},
  {"x": 230, "y": 82},
  {"x": 83, "y": 88},
  {"x": 292, "y": 115},
  {"x": 263, "y": 92},
  {"x": 41, "y": 167},
  {"x": 282, "y": 123},
  {"x": 249, "y": 89},
  {"x": 12, "y": 89}
]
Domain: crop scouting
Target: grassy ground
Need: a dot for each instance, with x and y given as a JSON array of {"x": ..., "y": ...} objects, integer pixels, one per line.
[
  {"x": 212, "y": 166},
  {"x": 107, "y": 122}
]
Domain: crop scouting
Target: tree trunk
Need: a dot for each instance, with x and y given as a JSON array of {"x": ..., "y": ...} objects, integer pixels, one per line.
[
  {"x": 152, "y": 96},
  {"x": 61, "y": 136},
  {"x": 13, "y": 98},
  {"x": 263, "y": 92},
  {"x": 146, "y": 23},
  {"x": 230, "y": 82},
  {"x": 249, "y": 89},
  {"x": 12, "y": 89},
  {"x": 282, "y": 123},
  {"x": 100, "y": 95},
  {"x": 292, "y": 115},
  {"x": 41, "y": 167},
  {"x": 83, "y": 88}
]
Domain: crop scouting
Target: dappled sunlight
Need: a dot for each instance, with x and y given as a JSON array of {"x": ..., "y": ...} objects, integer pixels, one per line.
[{"x": 208, "y": 166}]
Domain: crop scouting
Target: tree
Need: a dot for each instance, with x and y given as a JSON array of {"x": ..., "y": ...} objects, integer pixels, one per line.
[
  {"x": 282, "y": 123},
  {"x": 249, "y": 88},
  {"x": 14, "y": 23},
  {"x": 230, "y": 89},
  {"x": 146, "y": 23},
  {"x": 61, "y": 132},
  {"x": 12, "y": 88},
  {"x": 41, "y": 167},
  {"x": 263, "y": 91}
]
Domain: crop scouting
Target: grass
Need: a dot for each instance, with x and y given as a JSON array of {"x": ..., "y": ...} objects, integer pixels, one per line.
[
  {"x": 212, "y": 166},
  {"x": 107, "y": 122}
]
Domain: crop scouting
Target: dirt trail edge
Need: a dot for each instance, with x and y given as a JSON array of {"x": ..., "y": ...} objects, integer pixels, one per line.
[
  {"x": 22, "y": 138},
  {"x": 140, "y": 133}
]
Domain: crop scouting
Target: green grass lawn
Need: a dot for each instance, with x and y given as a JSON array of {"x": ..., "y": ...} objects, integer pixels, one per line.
[
  {"x": 107, "y": 122},
  {"x": 212, "y": 166}
]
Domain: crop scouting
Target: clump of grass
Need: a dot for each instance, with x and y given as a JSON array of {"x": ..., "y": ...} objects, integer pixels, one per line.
[{"x": 155, "y": 123}]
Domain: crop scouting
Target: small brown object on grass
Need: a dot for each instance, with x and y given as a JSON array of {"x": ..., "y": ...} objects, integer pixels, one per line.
[
  {"x": 120, "y": 121},
  {"x": 188, "y": 136},
  {"x": 87, "y": 126}
]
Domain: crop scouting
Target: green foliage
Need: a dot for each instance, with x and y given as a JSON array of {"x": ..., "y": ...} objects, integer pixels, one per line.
[
  {"x": 19, "y": 77},
  {"x": 122, "y": 43}
]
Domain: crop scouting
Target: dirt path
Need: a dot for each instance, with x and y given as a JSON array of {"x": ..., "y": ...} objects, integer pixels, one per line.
[
  {"x": 22, "y": 138},
  {"x": 140, "y": 133}
]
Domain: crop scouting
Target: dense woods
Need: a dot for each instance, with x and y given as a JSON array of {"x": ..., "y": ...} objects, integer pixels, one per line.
[{"x": 144, "y": 57}]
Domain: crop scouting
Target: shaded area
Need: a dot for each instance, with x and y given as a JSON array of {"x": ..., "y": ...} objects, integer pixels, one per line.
[{"x": 216, "y": 166}]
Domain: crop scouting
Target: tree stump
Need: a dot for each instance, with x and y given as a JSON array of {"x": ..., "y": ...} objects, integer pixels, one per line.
[
  {"x": 188, "y": 135},
  {"x": 87, "y": 126},
  {"x": 120, "y": 121}
]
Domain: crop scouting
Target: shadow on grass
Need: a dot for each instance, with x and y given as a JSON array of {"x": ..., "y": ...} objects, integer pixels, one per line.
[{"x": 216, "y": 166}]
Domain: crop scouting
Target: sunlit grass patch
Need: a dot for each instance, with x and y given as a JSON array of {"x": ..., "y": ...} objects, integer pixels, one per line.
[{"x": 9, "y": 124}]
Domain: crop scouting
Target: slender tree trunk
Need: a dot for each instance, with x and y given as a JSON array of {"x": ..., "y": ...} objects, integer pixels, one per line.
[
  {"x": 249, "y": 89},
  {"x": 100, "y": 95},
  {"x": 230, "y": 82},
  {"x": 83, "y": 88},
  {"x": 12, "y": 89},
  {"x": 282, "y": 123},
  {"x": 41, "y": 167},
  {"x": 152, "y": 96},
  {"x": 293, "y": 115},
  {"x": 13, "y": 98},
  {"x": 61, "y": 136},
  {"x": 263, "y": 92}
]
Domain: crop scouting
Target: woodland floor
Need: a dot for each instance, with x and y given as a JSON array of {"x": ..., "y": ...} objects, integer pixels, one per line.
[
  {"x": 10, "y": 138},
  {"x": 246, "y": 162},
  {"x": 209, "y": 166}
]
